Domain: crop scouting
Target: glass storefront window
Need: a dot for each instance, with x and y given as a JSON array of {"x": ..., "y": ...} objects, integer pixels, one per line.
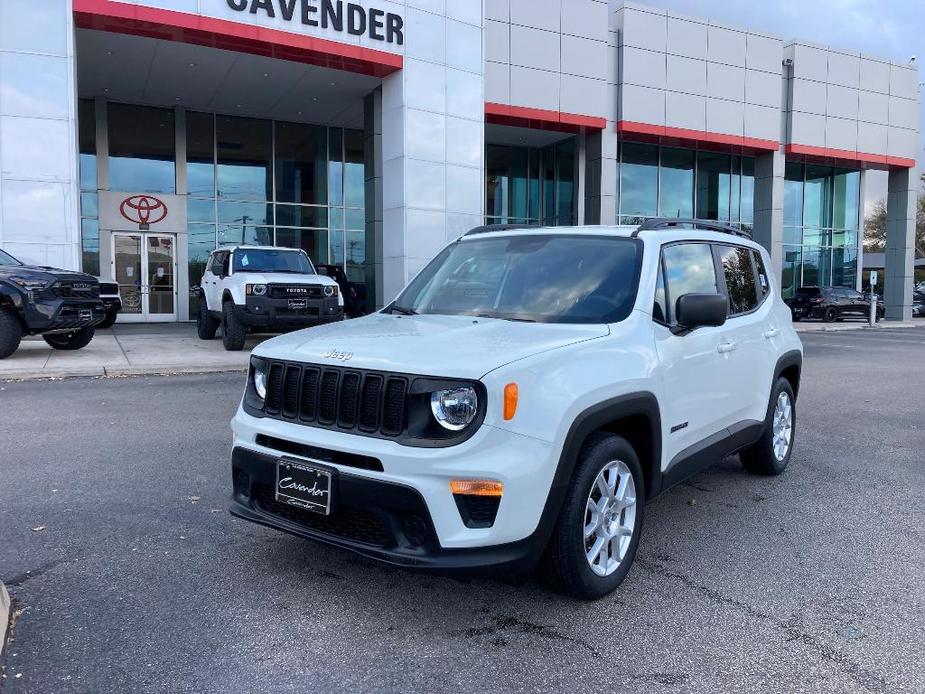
[
  {"x": 676, "y": 183},
  {"x": 506, "y": 184},
  {"x": 793, "y": 194},
  {"x": 200, "y": 154},
  {"x": 639, "y": 179},
  {"x": 714, "y": 186},
  {"x": 90, "y": 246},
  {"x": 817, "y": 197},
  {"x": 312, "y": 241},
  {"x": 86, "y": 135},
  {"x": 846, "y": 199},
  {"x": 525, "y": 185},
  {"x": 200, "y": 243},
  {"x": 565, "y": 183},
  {"x": 245, "y": 158},
  {"x": 301, "y": 163},
  {"x": 747, "y": 195},
  {"x": 142, "y": 148},
  {"x": 354, "y": 168},
  {"x": 844, "y": 267},
  {"x": 302, "y": 216},
  {"x": 245, "y": 213},
  {"x": 791, "y": 275},
  {"x": 233, "y": 234}
]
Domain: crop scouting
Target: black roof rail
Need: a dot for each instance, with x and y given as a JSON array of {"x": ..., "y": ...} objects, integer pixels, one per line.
[
  {"x": 655, "y": 223},
  {"x": 486, "y": 228}
]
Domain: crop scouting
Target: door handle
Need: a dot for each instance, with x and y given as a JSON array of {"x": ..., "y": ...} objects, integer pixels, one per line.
[
  {"x": 773, "y": 332},
  {"x": 726, "y": 347}
]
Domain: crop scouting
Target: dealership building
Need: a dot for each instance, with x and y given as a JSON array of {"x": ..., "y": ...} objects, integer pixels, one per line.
[{"x": 137, "y": 136}]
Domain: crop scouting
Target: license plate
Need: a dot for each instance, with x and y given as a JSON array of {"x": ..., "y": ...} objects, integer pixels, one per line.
[
  {"x": 305, "y": 486},
  {"x": 85, "y": 314},
  {"x": 298, "y": 304},
  {"x": 797, "y": 311}
]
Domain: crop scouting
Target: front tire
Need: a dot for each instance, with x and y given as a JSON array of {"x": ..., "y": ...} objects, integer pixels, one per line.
[
  {"x": 206, "y": 323},
  {"x": 233, "y": 332},
  {"x": 10, "y": 333},
  {"x": 770, "y": 454},
  {"x": 597, "y": 533},
  {"x": 109, "y": 320},
  {"x": 77, "y": 339}
]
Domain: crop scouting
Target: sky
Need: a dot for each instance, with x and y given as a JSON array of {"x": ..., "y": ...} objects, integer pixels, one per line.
[{"x": 892, "y": 29}]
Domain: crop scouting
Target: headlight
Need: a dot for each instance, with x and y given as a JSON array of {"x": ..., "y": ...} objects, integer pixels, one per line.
[
  {"x": 30, "y": 285},
  {"x": 260, "y": 378},
  {"x": 330, "y": 290},
  {"x": 454, "y": 409},
  {"x": 256, "y": 289}
]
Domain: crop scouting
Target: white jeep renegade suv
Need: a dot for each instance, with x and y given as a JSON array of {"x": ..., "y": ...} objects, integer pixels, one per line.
[
  {"x": 522, "y": 399},
  {"x": 263, "y": 289}
]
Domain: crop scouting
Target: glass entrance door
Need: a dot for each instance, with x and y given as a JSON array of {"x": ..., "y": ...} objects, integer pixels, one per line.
[{"x": 144, "y": 266}]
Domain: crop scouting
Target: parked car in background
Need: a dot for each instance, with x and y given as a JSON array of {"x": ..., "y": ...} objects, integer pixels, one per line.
[
  {"x": 354, "y": 293},
  {"x": 831, "y": 304},
  {"x": 918, "y": 304},
  {"x": 112, "y": 300},
  {"x": 263, "y": 289},
  {"x": 62, "y": 306}
]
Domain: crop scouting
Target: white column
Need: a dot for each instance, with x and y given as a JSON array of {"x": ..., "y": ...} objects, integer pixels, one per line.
[
  {"x": 769, "y": 207},
  {"x": 900, "y": 244},
  {"x": 433, "y": 145}
]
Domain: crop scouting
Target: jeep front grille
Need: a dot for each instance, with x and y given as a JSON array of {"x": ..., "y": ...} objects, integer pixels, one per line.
[{"x": 337, "y": 398}]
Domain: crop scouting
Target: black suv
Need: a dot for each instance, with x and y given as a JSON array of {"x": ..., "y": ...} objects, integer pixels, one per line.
[
  {"x": 60, "y": 305},
  {"x": 830, "y": 304}
]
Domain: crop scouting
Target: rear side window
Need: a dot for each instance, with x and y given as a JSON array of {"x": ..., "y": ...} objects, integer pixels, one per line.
[
  {"x": 764, "y": 287},
  {"x": 740, "y": 279},
  {"x": 689, "y": 269}
]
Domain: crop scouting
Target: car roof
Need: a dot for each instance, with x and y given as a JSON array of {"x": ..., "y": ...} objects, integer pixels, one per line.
[
  {"x": 649, "y": 236},
  {"x": 257, "y": 248}
]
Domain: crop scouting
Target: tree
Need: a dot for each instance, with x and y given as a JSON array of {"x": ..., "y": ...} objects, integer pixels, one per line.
[{"x": 875, "y": 226}]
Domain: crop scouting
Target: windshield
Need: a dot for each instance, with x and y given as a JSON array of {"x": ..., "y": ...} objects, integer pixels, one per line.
[
  {"x": 267, "y": 260},
  {"x": 7, "y": 259},
  {"x": 547, "y": 278}
]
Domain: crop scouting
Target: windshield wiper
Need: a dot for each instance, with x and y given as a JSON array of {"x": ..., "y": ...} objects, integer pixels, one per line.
[
  {"x": 395, "y": 308},
  {"x": 508, "y": 318}
]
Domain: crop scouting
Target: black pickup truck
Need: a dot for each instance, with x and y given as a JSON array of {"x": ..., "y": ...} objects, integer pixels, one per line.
[{"x": 62, "y": 306}]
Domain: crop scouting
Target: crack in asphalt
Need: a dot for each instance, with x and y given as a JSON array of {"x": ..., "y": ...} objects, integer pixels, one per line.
[
  {"x": 20, "y": 579},
  {"x": 861, "y": 675}
]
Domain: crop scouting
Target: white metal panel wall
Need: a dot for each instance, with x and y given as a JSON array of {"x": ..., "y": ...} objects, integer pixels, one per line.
[
  {"x": 848, "y": 101},
  {"x": 684, "y": 72},
  {"x": 39, "y": 218},
  {"x": 548, "y": 54}
]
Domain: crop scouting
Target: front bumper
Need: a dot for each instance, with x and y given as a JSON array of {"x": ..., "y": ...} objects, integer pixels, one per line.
[
  {"x": 264, "y": 312},
  {"x": 112, "y": 303},
  {"x": 44, "y": 315},
  {"x": 409, "y": 486}
]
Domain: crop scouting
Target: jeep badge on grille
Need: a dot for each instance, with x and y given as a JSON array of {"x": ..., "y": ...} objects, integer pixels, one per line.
[{"x": 334, "y": 354}]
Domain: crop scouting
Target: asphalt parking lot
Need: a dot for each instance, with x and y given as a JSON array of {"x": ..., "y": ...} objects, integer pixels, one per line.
[{"x": 129, "y": 575}]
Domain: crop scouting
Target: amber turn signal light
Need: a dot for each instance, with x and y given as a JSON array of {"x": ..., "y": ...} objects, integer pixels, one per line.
[
  {"x": 476, "y": 487},
  {"x": 510, "y": 400}
]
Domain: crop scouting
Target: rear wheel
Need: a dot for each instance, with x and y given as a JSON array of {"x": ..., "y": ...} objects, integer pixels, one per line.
[
  {"x": 206, "y": 323},
  {"x": 597, "y": 533},
  {"x": 879, "y": 314},
  {"x": 10, "y": 333},
  {"x": 77, "y": 339},
  {"x": 831, "y": 313},
  {"x": 771, "y": 453},
  {"x": 233, "y": 332}
]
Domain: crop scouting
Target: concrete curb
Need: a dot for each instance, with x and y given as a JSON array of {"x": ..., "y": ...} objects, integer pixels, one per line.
[
  {"x": 829, "y": 328},
  {"x": 116, "y": 372},
  {"x": 4, "y": 615}
]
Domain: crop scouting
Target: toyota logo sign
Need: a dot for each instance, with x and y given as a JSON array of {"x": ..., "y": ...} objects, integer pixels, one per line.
[{"x": 144, "y": 210}]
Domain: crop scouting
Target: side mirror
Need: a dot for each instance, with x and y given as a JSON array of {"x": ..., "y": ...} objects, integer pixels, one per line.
[{"x": 701, "y": 310}]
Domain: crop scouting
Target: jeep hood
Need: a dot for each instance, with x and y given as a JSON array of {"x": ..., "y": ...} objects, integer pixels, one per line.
[{"x": 430, "y": 345}]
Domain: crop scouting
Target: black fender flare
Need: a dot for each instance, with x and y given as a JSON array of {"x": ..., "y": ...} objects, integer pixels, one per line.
[
  {"x": 11, "y": 298},
  {"x": 787, "y": 360},
  {"x": 595, "y": 418}
]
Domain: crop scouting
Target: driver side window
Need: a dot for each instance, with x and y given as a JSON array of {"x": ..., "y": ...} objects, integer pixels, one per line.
[{"x": 688, "y": 268}]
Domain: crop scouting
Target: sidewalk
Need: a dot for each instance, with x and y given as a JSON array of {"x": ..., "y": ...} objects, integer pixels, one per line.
[{"x": 125, "y": 350}]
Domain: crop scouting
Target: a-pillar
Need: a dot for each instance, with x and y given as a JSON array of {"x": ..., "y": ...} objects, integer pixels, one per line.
[{"x": 900, "y": 244}]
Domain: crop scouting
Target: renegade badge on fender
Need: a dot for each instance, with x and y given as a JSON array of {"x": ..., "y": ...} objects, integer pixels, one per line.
[{"x": 522, "y": 399}]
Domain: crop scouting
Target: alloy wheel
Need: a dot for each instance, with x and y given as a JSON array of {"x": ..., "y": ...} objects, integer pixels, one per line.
[
  {"x": 782, "y": 426},
  {"x": 610, "y": 518}
]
